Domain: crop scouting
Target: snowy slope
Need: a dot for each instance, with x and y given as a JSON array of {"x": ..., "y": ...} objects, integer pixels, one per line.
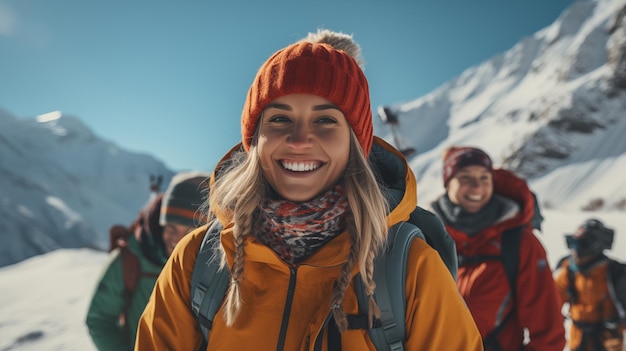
[
  {"x": 551, "y": 108},
  {"x": 61, "y": 186}
]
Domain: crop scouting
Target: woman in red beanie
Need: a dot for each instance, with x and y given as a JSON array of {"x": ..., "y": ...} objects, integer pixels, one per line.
[
  {"x": 482, "y": 206},
  {"x": 302, "y": 215}
]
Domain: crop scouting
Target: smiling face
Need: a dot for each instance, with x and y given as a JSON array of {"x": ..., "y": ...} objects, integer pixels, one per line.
[
  {"x": 471, "y": 187},
  {"x": 303, "y": 145}
]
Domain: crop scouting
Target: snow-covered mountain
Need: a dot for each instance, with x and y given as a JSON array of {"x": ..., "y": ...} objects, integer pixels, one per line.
[
  {"x": 61, "y": 186},
  {"x": 552, "y": 108}
]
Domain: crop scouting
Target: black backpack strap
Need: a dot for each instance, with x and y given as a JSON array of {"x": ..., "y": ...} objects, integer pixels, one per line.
[
  {"x": 617, "y": 287},
  {"x": 390, "y": 268},
  {"x": 571, "y": 284},
  {"x": 435, "y": 234},
  {"x": 208, "y": 281},
  {"x": 509, "y": 254}
]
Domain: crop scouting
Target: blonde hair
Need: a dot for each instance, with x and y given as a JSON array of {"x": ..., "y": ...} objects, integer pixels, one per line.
[{"x": 241, "y": 186}]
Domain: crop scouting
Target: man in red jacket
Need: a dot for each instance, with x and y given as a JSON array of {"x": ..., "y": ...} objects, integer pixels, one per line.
[{"x": 481, "y": 206}]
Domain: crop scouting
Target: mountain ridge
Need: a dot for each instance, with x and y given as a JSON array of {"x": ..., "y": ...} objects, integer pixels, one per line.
[
  {"x": 535, "y": 108},
  {"x": 62, "y": 186}
]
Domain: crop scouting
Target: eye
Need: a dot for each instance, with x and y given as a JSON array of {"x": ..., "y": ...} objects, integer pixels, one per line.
[
  {"x": 326, "y": 120},
  {"x": 278, "y": 119}
]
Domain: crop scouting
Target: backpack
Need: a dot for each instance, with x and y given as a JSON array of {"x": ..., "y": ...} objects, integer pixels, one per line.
[
  {"x": 145, "y": 226},
  {"x": 509, "y": 256},
  {"x": 118, "y": 236},
  {"x": 209, "y": 282},
  {"x": 131, "y": 267},
  {"x": 617, "y": 272}
]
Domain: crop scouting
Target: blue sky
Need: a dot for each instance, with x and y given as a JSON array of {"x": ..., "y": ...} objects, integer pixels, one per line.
[{"x": 169, "y": 78}]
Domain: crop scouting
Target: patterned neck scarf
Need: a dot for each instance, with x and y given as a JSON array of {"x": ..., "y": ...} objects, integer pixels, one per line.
[{"x": 295, "y": 230}]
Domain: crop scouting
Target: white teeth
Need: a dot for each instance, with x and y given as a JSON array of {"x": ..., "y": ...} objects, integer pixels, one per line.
[
  {"x": 300, "y": 166},
  {"x": 475, "y": 197}
]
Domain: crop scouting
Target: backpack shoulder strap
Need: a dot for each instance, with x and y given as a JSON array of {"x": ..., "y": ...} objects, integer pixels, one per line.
[
  {"x": 208, "y": 281},
  {"x": 389, "y": 333},
  {"x": 571, "y": 279},
  {"x": 617, "y": 287},
  {"x": 437, "y": 237},
  {"x": 510, "y": 255},
  {"x": 131, "y": 270}
]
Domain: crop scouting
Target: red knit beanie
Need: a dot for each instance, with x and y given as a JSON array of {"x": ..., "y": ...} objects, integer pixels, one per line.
[
  {"x": 317, "y": 69},
  {"x": 456, "y": 158}
]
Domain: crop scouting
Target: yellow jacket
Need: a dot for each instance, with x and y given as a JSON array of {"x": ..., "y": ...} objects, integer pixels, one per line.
[
  {"x": 436, "y": 317},
  {"x": 594, "y": 303}
]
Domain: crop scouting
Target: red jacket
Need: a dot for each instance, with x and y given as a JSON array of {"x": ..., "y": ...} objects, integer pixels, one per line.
[{"x": 485, "y": 287}]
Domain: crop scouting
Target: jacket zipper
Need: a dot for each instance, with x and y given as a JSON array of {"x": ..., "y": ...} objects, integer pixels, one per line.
[{"x": 286, "y": 313}]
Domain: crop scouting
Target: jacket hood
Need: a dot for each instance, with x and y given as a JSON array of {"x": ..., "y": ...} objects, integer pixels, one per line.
[
  {"x": 396, "y": 180},
  {"x": 507, "y": 184}
]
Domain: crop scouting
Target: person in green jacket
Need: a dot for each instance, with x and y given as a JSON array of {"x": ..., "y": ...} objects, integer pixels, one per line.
[{"x": 123, "y": 291}]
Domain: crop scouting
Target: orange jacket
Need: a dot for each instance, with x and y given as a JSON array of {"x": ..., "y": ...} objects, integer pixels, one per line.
[
  {"x": 436, "y": 318},
  {"x": 485, "y": 287},
  {"x": 593, "y": 303}
]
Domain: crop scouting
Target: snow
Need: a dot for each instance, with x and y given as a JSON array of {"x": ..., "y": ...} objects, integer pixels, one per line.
[
  {"x": 45, "y": 300},
  {"x": 61, "y": 185}
]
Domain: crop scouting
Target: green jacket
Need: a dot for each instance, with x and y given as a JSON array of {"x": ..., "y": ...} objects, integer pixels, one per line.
[{"x": 108, "y": 301}]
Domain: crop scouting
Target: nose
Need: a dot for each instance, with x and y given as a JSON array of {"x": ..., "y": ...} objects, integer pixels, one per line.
[
  {"x": 474, "y": 183},
  {"x": 300, "y": 136}
]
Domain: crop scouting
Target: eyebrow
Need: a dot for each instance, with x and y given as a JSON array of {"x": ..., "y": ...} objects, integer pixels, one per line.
[
  {"x": 315, "y": 108},
  {"x": 465, "y": 172}
]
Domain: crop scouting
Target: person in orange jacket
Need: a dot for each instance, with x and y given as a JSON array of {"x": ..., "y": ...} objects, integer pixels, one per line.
[
  {"x": 303, "y": 213},
  {"x": 591, "y": 284},
  {"x": 480, "y": 207}
]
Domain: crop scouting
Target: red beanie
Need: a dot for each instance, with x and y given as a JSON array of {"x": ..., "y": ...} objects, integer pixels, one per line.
[
  {"x": 457, "y": 157},
  {"x": 317, "y": 69}
]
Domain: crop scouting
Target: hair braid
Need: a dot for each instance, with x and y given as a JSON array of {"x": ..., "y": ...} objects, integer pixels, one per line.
[
  {"x": 368, "y": 209},
  {"x": 233, "y": 296},
  {"x": 370, "y": 286},
  {"x": 237, "y": 191},
  {"x": 344, "y": 279}
]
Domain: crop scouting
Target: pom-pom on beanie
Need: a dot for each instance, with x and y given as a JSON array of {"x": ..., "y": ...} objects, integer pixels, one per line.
[
  {"x": 183, "y": 197},
  {"x": 317, "y": 69},
  {"x": 455, "y": 158}
]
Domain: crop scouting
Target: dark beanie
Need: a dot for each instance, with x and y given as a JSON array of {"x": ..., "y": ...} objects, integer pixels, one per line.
[
  {"x": 457, "y": 157},
  {"x": 183, "y": 197}
]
